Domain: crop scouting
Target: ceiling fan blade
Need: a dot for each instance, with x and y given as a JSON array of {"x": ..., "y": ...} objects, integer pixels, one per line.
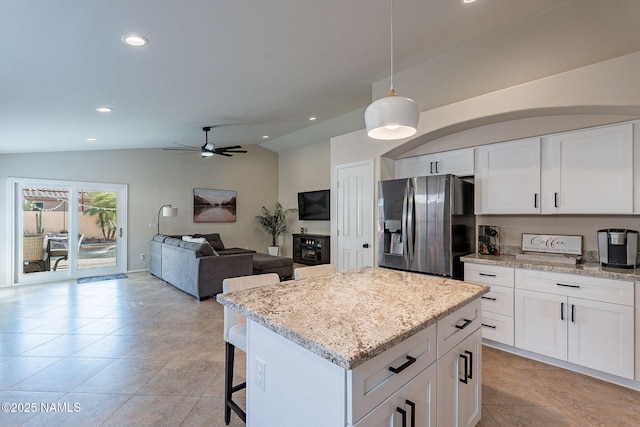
[
  {"x": 222, "y": 154},
  {"x": 229, "y": 151},
  {"x": 185, "y": 145},
  {"x": 228, "y": 147}
]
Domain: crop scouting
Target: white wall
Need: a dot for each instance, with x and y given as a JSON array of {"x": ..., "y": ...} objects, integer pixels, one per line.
[
  {"x": 604, "y": 92},
  {"x": 156, "y": 177},
  {"x": 304, "y": 169}
]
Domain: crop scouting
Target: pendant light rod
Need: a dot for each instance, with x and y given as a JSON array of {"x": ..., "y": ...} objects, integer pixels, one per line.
[
  {"x": 392, "y": 117},
  {"x": 391, "y": 90}
]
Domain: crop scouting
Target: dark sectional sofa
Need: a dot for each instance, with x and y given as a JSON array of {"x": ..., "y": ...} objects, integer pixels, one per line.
[{"x": 198, "y": 268}]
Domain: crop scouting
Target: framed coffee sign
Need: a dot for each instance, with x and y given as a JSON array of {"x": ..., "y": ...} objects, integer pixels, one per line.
[{"x": 552, "y": 243}]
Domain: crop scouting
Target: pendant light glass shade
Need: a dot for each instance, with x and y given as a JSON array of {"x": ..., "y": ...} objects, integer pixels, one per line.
[{"x": 392, "y": 117}]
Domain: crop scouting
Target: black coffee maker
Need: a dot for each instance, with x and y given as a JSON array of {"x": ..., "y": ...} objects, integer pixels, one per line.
[{"x": 618, "y": 247}]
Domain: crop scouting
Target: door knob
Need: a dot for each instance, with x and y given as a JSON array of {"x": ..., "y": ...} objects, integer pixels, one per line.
[{"x": 366, "y": 245}]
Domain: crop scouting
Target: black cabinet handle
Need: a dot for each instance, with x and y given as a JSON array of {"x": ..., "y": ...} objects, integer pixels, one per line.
[
  {"x": 413, "y": 412},
  {"x": 573, "y": 313},
  {"x": 568, "y": 286},
  {"x": 487, "y": 275},
  {"x": 404, "y": 416},
  {"x": 488, "y": 326},
  {"x": 466, "y": 377},
  {"x": 489, "y": 298},
  {"x": 470, "y": 364},
  {"x": 437, "y": 167},
  {"x": 431, "y": 167},
  {"x": 535, "y": 200},
  {"x": 366, "y": 245},
  {"x": 561, "y": 311},
  {"x": 555, "y": 200},
  {"x": 410, "y": 361},
  {"x": 466, "y": 323}
]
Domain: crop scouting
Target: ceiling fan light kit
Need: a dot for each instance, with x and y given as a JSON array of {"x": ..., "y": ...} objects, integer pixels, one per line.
[
  {"x": 392, "y": 117},
  {"x": 208, "y": 149}
]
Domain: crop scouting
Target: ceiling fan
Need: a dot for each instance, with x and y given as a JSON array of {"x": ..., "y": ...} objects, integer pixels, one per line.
[{"x": 209, "y": 148}]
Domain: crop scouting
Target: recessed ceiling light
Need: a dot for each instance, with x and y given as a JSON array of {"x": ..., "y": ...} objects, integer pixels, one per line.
[
  {"x": 265, "y": 136},
  {"x": 467, "y": 1},
  {"x": 104, "y": 109},
  {"x": 135, "y": 40},
  {"x": 312, "y": 118},
  {"x": 91, "y": 139}
]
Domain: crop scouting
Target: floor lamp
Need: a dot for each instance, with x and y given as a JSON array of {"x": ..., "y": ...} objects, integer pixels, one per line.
[{"x": 167, "y": 210}]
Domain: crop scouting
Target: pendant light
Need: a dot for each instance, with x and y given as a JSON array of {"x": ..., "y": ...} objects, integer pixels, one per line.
[{"x": 392, "y": 117}]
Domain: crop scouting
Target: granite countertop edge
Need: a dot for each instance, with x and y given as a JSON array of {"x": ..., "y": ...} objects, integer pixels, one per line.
[
  {"x": 336, "y": 357},
  {"x": 592, "y": 269}
]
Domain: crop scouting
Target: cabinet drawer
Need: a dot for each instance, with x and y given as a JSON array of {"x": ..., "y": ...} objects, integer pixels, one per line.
[
  {"x": 488, "y": 274},
  {"x": 457, "y": 326},
  {"x": 574, "y": 285},
  {"x": 497, "y": 327},
  {"x": 499, "y": 300},
  {"x": 371, "y": 383}
]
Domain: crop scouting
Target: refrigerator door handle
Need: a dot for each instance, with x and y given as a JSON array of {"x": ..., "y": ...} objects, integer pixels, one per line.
[
  {"x": 405, "y": 202},
  {"x": 410, "y": 215}
]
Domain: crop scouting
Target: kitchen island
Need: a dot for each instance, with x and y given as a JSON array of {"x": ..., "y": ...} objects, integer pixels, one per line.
[{"x": 347, "y": 349}]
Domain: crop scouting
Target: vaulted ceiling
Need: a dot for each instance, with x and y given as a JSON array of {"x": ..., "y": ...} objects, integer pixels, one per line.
[{"x": 259, "y": 68}]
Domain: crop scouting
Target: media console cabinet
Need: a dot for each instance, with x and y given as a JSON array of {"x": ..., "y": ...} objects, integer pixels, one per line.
[{"x": 311, "y": 249}]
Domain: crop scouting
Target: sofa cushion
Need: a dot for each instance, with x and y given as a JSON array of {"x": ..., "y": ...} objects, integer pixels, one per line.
[
  {"x": 214, "y": 240},
  {"x": 201, "y": 249},
  {"x": 159, "y": 238},
  {"x": 235, "y": 251},
  {"x": 172, "y": 241}
]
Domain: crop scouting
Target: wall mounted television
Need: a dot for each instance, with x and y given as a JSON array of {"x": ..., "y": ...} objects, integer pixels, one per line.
[{"x": 314, "y": 205}]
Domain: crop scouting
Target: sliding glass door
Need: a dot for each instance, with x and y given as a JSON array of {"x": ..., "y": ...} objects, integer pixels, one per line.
[{"x": 67, "y": 229}]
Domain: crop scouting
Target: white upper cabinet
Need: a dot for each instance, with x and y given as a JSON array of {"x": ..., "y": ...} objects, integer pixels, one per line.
[
  {"x": 507, "y": 179},
  {"x": 455, "y": 162},
  {"x": 589, "y": 171},
  {"x": 583, "y": 172}
]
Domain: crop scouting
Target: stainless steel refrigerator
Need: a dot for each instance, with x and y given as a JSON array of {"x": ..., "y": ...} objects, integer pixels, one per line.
[{"x": 425, "y": 224}]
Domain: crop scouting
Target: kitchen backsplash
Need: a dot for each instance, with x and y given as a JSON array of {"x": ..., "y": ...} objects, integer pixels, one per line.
[{"x": 587, "y": 256}]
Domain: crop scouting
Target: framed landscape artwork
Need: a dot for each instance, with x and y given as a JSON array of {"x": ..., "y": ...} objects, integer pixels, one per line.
[{"x": 214, "y": 205}]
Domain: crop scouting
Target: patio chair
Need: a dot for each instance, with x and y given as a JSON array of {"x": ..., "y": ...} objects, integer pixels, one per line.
[
  {"x": 63, "y": 253},
  {"x": 34, "y": 253}
]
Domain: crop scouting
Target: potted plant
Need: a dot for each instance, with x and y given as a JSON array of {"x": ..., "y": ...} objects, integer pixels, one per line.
[{"x": 274, "y": 224}]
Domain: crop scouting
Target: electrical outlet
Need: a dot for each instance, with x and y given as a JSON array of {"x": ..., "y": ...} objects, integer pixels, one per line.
[
  {"x": 142, "y": 257},
  {"x": 153, "y": 224},
  {"x": 261, "y": 371}
]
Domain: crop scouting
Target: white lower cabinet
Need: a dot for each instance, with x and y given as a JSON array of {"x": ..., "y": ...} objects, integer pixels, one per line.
[
  {"x": 432, "y": 378},
  {"x": 460, "y": 383},
  {"x": 541, "y": 323},
  {"x": 414, "y": 405},
  {"x": 552, "y": 320},
  {"x": 497, "y": 305}
]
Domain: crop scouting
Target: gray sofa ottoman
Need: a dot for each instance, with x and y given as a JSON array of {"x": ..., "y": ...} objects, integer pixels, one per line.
[{"x": 263, "y": 263}]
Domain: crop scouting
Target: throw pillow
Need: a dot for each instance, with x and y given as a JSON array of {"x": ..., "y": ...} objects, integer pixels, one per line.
[{"x": 194, "y": 239}]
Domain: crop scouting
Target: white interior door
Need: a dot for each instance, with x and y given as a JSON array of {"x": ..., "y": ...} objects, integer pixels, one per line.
[{"x": 355, "y": 215}]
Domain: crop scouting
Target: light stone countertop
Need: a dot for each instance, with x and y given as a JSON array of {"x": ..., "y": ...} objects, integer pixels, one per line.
[
  {"x": 592, "y": 269},
  {"x": 351, "y": 317}
]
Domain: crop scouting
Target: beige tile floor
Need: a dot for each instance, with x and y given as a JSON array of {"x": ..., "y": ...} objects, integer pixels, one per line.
[{"x": 138, "y": 352}]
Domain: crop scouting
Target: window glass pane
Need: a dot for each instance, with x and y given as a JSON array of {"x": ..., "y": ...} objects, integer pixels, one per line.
[
  {"x": 97, "y": 229},
  {"x": 45, "y": 220}
]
